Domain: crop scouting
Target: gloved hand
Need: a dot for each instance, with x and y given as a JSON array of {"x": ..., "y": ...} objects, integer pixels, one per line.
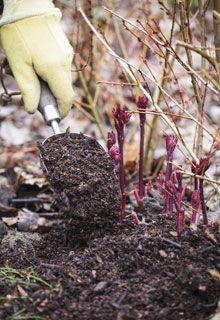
[{"x": 36, "y": 45}]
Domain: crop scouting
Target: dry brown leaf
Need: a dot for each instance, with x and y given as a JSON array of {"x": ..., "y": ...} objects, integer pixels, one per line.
[
  {"x": 214, "y": 273},
  {"x": 10, "y": 221},
  {"x": 131, "y": 152},
  {"x": 98, "y": 259},
  {"x": 210, "y": 236}
]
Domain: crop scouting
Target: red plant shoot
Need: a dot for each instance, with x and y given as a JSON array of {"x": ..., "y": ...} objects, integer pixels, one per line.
[
  {"x": 195, "y": 206},
  {"x": 178, "y": 201},
  {"x": 148, "y": 188},
  {"x": 200, "y": 169},
  {"x": 179, "y": 177},
  {"x": 113, "y": 150},
  {"x": 136, "y": 220},
  {"x": 121, "y": 118},
  {"x": 111, "y": 140},
  {"x": 137, "y": 197},
  {"x": 161, "y": 182},
  {"x": 115, "y": 155},
  {"x": 171, "y": 142},
  {"x": 142, "y": 104}
]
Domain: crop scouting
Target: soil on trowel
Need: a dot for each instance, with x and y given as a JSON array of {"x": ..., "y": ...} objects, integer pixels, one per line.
[{"x": 86, "y": 188}]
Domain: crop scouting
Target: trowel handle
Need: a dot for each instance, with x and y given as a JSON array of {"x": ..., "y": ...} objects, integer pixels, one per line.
[{"x": 48, "y": 107}]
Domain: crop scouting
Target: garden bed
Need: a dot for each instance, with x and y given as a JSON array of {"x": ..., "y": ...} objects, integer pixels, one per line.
[{"x": 123, "y": 274}]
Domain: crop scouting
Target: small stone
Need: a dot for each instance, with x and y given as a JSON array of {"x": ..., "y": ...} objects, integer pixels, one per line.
[
  {"x": 71, "y": 253},
  {"x": 100, "y": 286},
  {"x": 94, "y": 274},
  {"x": 193, "y": 227},
  {"x": 162, "y": 253},
  {"x": 174, "y": 233}
]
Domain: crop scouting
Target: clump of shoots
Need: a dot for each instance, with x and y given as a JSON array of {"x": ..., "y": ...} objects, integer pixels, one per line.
[
  {"x": 195, "y": 206},
  {"x": 142, "y": 104},
  {"x": 121, "y": 118},
  {"x": 171, "y": 142},
  {"x": 178, "y": 201},
  {"x": 147, "y": 189},
  {"x": 200, "y": 169}
]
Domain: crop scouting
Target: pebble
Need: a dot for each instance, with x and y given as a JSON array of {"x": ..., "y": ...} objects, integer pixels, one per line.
[{"x": 100, "y": 286}]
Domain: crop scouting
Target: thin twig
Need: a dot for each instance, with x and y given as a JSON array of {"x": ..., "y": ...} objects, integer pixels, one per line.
[
  {"x": 126, "y": 65},
  {"x": 172, "y": 51}
]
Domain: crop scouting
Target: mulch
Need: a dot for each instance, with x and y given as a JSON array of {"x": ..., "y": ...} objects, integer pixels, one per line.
[{"x": 123, "y": 275}]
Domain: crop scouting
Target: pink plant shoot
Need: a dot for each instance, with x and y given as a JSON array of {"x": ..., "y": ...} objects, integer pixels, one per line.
[
  {"x": 179, "y": 177},
  {"x": 148, "y": 188},
  {"x": 195, "y": 206},
  {"x": 171, "y": 142},
  {"x": 111, "y": 140},
  {"x": 200, "y": 169},
  {"x": 135, "y": 217},
  {"x": 161, "y": 182},
  {"x": 136, "y": 220},
  {"x": 142, "y": 104},
  {"x": 121, "y": 118},
  {"x": 115, "y": 155},
  {"x": 170, "y": 195},
  {"x": 193, "y": 169},
  {"x": 137, "y": 197},
  {"x": 178, "y": 201}
]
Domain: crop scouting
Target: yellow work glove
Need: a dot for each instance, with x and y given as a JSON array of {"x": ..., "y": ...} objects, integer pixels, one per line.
[{"x": 36, "y": 45}]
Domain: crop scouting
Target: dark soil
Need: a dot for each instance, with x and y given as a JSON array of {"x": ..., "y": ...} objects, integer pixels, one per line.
[
  {"x": 98, "y": 269},
  {"x": 125, "y": 275},
  {"x": 86, "y": 188}
]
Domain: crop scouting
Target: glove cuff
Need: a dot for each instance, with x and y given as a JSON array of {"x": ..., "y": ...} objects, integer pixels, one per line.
[{"x": 15, "y": 10}]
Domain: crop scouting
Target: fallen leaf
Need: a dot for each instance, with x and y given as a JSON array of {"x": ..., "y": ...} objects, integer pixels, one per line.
[
  {"x": 10, "y": 221},
  {"x": 98, "y": 259},
  {"x": 210, "y": 236},
  {"x": 214, "y": 273}
]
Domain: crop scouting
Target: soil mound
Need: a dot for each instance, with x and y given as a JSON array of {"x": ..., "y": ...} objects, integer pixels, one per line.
[{"x": 82, "y": 176}]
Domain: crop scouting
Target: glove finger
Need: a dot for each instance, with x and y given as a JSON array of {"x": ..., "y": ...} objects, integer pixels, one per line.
[
  {"x": 29, "y": 85},
  {"x": 21, "y": 65}
]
